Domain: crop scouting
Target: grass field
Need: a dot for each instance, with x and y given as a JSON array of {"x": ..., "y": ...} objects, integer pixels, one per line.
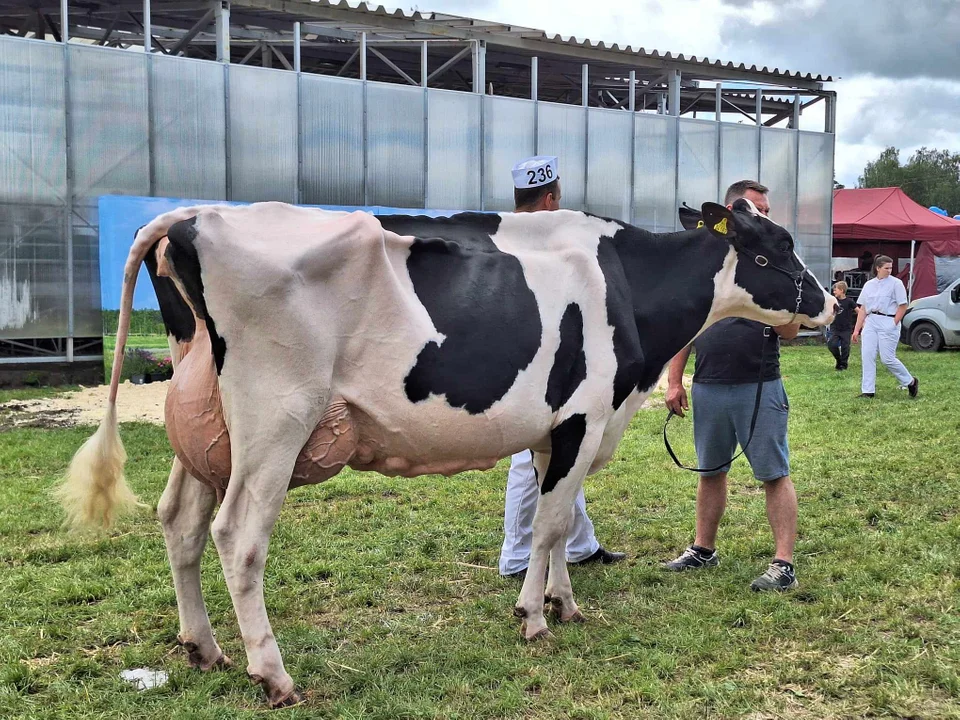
[{"x": 381, "y": 611}]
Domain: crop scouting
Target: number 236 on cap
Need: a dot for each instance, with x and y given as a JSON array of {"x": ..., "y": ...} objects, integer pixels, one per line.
[{"x": 535, "y": 171}]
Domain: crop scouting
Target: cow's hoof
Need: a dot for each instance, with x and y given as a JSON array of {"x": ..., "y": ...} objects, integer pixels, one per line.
[
  {"x": 576, "y": 617},
  {"x": 197, "y": 660},
  {"x": 543, "y": 634},
  {"x": 294, "y": 698}
]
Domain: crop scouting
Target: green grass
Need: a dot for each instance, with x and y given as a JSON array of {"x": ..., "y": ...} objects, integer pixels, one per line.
[{"x": 379, "y": 613}]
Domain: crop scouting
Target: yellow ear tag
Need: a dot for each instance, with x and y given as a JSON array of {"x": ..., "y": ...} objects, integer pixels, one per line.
[
  {"x": 721, "y": 227},
  {"x": 700, "y": 225}
]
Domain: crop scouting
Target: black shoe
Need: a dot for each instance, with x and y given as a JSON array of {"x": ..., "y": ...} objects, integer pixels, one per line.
[
  {"x": 520, "y": 575},
  {"x": 602, "y": 556},
  {"x": 866, "y": 395},
  {"x": 693, "y": 558},
  {"x": 779, "y": 576},
  {"x": 914, "y": 387}
]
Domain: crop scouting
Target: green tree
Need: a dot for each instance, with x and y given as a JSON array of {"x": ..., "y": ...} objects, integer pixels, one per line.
[{"x": 930, "y": 177}]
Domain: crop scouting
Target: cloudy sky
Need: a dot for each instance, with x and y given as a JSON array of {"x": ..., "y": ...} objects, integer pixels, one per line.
[{"x": 898, "y": 61}]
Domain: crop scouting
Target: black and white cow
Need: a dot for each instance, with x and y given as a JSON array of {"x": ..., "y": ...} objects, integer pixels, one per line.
[{"x": 305, "y": 341}]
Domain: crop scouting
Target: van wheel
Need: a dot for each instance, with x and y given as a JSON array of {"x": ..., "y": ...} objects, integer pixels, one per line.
[{"x": 925, "y": 337}]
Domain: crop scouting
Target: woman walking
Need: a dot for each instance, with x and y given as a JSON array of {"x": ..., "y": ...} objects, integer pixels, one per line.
[{"x": 880, "y": 308}]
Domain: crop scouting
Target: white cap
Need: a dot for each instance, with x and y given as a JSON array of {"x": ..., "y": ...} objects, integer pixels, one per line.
[{"x": 536, "y": 171}]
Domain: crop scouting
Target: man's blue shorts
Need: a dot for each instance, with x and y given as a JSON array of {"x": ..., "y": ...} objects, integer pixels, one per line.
[{"x": 721, "y": 421}]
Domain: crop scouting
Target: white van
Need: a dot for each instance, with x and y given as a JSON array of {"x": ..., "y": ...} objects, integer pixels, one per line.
[{"x": 932, "y": 323}]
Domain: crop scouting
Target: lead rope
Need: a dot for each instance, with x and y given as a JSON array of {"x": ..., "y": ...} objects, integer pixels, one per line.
[{"x": 756, "y": 405}]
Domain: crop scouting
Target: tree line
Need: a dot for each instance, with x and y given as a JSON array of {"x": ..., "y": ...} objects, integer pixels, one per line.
[{"x": 930, "y": 177}]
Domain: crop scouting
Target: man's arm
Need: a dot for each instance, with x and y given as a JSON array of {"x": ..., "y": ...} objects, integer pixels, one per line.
[
  {"x": 676, "y": 399},
  {"x": 788, "y": 331},
  {"x": 901, "y": 311}
]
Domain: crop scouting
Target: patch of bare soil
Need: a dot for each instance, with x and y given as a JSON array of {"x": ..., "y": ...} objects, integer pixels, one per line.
[{"x": 136, "y": 403}]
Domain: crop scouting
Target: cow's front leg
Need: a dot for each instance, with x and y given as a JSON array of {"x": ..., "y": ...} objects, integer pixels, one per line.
[
  {"x": 185, "y": 509},
  {"x": 559, "y": 592},
  {"x": 573, "y": 445}
]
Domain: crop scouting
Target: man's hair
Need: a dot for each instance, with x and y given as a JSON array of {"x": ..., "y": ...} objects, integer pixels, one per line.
[
  {"x": 739, "y": 188},
  {"x": 841, "y": 285},
  {"x": 880, "y": 260},
  {"x": 524, "y": 197}
]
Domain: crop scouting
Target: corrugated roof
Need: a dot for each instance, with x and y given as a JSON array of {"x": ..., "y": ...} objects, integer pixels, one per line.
[{"x": 503, "y": 31}]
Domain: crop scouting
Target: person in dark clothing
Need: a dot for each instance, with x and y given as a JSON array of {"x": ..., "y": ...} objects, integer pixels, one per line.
[
  {"x": 729, "y": 354},
  {"x": 842, "y": 326}
]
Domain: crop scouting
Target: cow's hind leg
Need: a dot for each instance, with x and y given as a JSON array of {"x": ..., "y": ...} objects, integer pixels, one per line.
[
  {"x": 262, "y": 465},
  {"x": 185, "y": 509},
  {"x": 573, "y": 445}
]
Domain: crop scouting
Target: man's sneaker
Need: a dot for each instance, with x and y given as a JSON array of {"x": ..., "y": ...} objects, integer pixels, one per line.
[
  {"x": 693, "y": 558},
  {"x": 602, "y": 556},
  {"x": 914, "y": 387},
  {"x": 779, "y": 576},
  {"x": 866, "y": 395}
]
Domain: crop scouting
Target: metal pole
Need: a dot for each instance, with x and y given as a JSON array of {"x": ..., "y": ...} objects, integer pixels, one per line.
[
  {"x": 633, "y": 144},
  {"x": 632, "y": 103},
  {"x": 65, "y": 21},
  {"x": 718, "y": 104},
  {"x": 585, "y": 84},
  {"x": 222, "y": 18},
  {"x": 363, "y": 56},
  {"x": 759, "y": 107},
  {"x": 147, "y": 28},
  {"x": 424, "y": 75},
  {"x": 482, "y": 66},
  {"x": 475, "y": 62},
  {"x": 296, "y": 48},
  {"x": 795, "y": 118},
  {"x": 68, "y": 210},
  {"x": 534, "y": 77},
  {"x": 913, "y": 245},
  {"x": 298, "y": 190},
  {"x": 673, "y": 86}
]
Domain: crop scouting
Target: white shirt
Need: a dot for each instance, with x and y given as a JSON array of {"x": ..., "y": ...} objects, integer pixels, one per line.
[{"x": 883, "y": 296}]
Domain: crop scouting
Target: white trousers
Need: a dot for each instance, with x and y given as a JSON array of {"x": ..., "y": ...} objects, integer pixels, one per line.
[
  {"x": 522, "y": 495},
  {"x": 880, "y": 335}
]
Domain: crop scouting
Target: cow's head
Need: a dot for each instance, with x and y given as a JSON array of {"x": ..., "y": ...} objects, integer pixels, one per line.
[{"x": 769, "y": 282}]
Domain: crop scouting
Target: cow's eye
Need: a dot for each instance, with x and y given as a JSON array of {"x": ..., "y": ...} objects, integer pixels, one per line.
[{"x": 785, "y": 247}]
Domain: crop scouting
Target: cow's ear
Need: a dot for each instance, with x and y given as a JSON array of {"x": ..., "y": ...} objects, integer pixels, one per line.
[
  {"x": 719, "y": 220},
  {"x": 690, "y": 219}
]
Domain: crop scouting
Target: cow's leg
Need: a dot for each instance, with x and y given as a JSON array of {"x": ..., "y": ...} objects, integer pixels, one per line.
[
  {"x": 559, "y": 592},
  {"x": 573, "y": 446},
  {"x": 264, "y": 447},
  {"x": 185, "y": 509}
]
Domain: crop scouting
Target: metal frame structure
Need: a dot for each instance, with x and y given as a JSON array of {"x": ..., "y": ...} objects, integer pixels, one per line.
[{"x": 427, "y": 51}]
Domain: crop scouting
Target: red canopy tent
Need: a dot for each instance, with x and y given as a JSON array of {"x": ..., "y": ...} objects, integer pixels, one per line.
[{"x": 885, "y": 221}]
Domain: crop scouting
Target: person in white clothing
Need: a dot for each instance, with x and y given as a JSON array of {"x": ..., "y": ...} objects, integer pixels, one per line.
[
  {"x": 880, "y": 308},
  {"x": 536, "y": 184}
]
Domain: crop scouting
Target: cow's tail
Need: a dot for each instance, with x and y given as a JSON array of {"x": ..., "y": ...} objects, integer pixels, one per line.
[{"x": 94, "y": 492}]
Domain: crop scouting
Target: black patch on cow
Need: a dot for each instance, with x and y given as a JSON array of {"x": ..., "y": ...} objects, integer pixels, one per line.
[
  {"x": 670, "y": 278},
  {"x": 182, "y": 255},
  {"x": 478, "y": 298},
  {"x": 627, "y": 348},
  {"x": 570, "y": 362},
  {"x": 176, "y": 314},
  {"x": 565, "y": 441}
]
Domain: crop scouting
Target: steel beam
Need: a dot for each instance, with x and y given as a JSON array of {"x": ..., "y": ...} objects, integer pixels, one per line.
[
  {"x": 585, "y": 84},
  {"x": 296, "y": 47},
  {"x": 201, "y": 24},
  {"x": 534, "y": 76},
  {"x": 147, "y": 27},
  {"x": 673, "y": 85},
  {"x": 363, "y": 56},
  {"x": 632, "y": 102},
  {"x": 392, "y": 65},
  {"x": 450, "y": 63},
  {"x": 222, "y": 16}
]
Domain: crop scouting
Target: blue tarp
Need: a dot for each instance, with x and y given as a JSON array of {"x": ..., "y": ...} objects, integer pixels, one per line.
[{"x": 122, "y": 215}]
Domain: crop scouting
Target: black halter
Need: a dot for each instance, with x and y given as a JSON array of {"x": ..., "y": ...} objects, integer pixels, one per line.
[{"x": 797, "y": 277}]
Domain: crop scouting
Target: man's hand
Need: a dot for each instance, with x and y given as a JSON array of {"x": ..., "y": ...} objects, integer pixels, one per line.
[
  {"x": 677, "y": 399},
  {"x": 855, "y": 338}
]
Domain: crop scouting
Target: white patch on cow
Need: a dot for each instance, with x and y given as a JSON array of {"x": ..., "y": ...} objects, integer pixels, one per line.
[
  {"x": 538, "y": 241},
  {"x": 16, "y": 303}
]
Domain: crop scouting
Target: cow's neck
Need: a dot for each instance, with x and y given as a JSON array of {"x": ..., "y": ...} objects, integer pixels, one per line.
[{"x": 672, "y": 277}]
